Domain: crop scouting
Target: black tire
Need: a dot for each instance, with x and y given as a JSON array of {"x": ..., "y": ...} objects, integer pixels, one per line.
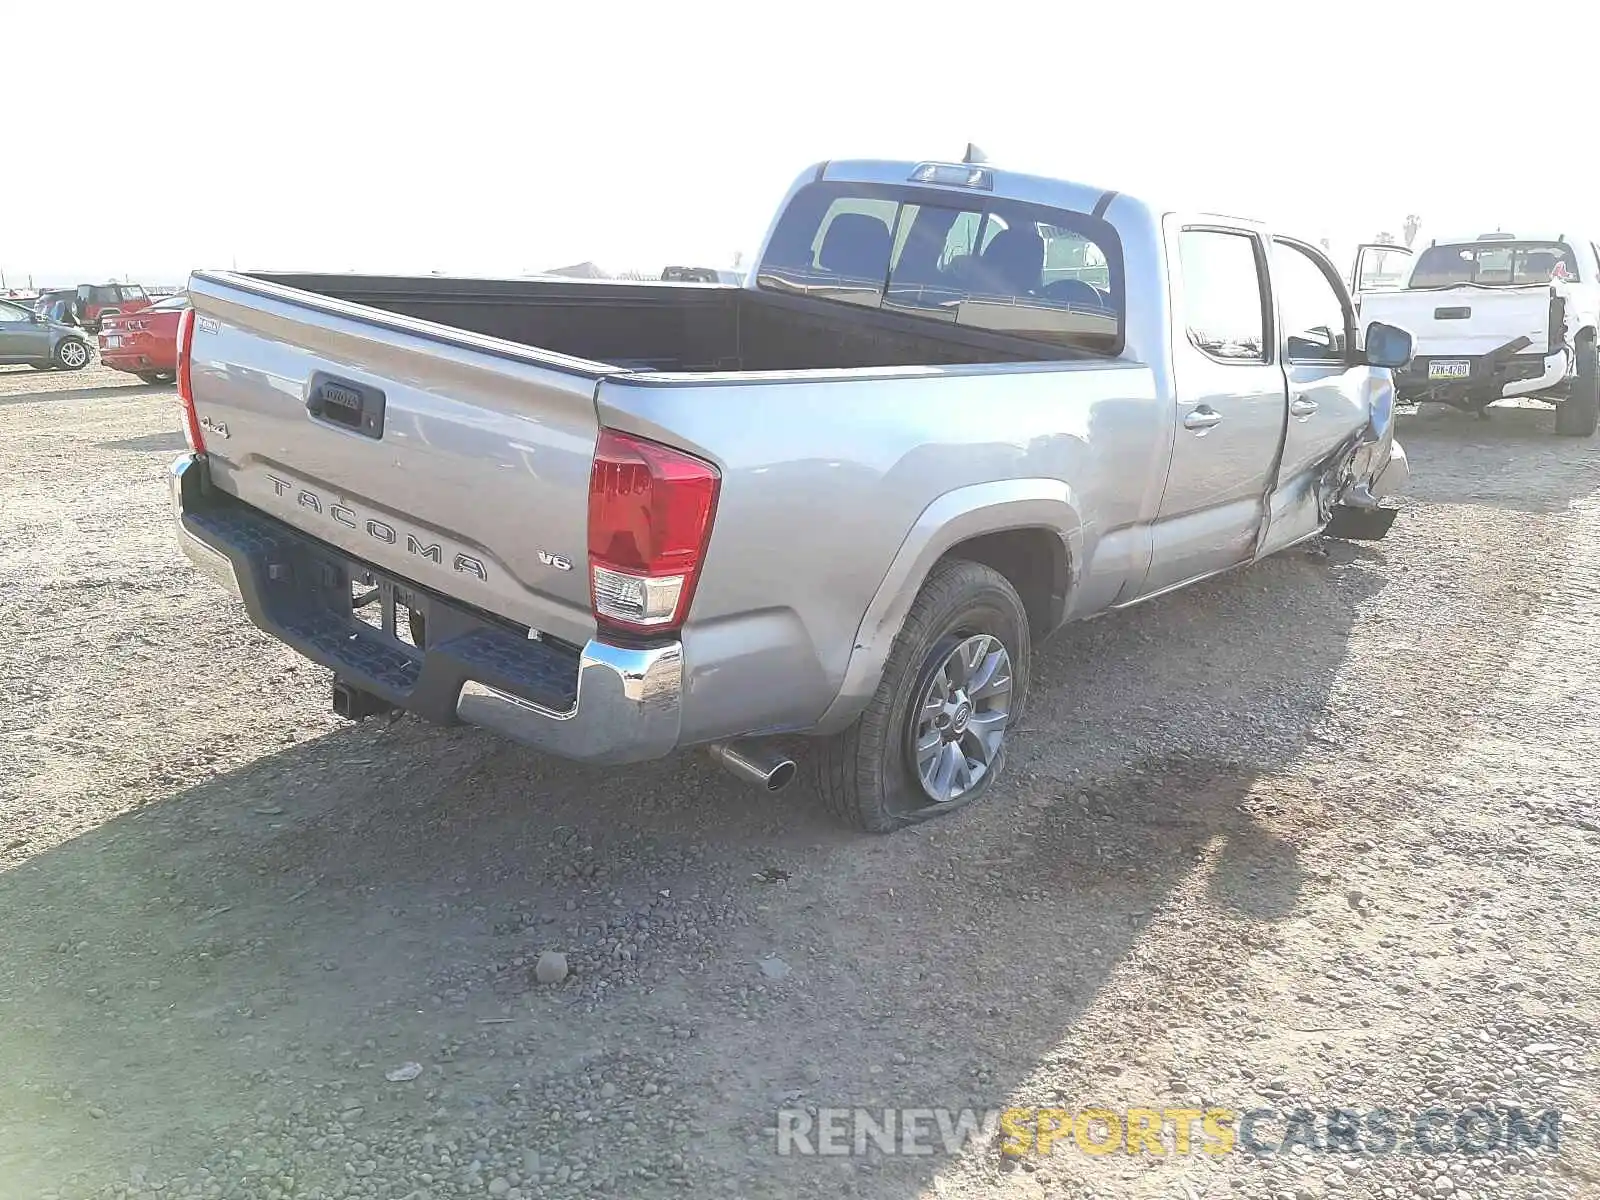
[
  {"x": 156, "y": 376},
  {"x": 867, "y": 774},
  {"x": 66, "y": 359},
  {"x": 1579, "y": 414}
]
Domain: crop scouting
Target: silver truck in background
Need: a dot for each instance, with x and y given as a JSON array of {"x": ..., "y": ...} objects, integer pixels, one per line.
[
  {"x": 1498, "y": 316},
  {"x": 952, "y": 409}
]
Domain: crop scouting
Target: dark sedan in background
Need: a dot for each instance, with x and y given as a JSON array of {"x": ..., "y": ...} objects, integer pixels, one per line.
[{"x": 33, "y": 338}]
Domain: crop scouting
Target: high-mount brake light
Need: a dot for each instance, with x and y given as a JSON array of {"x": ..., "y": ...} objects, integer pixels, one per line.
[
  {"x": 650, "y": 514},
  {"x": 191, "y": 420},
  {"x": 953, "y": 175}
]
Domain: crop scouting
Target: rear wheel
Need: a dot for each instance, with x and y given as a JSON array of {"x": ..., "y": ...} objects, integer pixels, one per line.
[
  {"x": 72, "y": 354},
  {"x": 156, "y": 376},
  {"x": 932, "y": 740},
  {"x": 1579, "y": 414}
]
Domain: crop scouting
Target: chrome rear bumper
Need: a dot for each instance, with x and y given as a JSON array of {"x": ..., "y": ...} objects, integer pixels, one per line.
[{"x": 603, "y": 703}]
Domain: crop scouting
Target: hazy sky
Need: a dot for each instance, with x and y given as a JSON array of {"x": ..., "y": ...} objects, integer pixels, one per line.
[{"x": 501, "y": 138}]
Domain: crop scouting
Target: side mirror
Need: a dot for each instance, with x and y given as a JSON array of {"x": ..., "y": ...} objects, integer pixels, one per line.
[
  {"x": 1389, "y": 346},
  {"x": 36, "y": 317}
]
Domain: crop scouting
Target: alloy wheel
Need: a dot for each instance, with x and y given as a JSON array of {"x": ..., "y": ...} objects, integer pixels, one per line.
[{"x": 959, "y": 720}]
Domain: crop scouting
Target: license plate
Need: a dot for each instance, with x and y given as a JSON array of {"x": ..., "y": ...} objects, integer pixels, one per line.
[
  {"x": 113, "y": 342},
  {"x": 1449, "y": 368}
]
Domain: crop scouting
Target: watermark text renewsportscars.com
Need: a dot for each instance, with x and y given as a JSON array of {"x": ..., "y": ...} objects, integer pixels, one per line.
[{"x": 1259, "y": 1132}]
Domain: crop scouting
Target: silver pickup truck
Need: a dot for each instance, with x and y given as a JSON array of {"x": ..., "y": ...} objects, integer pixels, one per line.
[{"x": 951, "y": 409}]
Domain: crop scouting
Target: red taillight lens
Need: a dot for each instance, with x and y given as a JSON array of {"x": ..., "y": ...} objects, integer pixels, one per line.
[
  {"x": 650, "y": 513},
  {"x": 191, "y": 421}
]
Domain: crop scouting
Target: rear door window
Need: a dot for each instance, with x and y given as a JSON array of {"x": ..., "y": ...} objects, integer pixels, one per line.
[
  {"x": 1045, "y": 274},
  {"x": 1224, "y": 302}
]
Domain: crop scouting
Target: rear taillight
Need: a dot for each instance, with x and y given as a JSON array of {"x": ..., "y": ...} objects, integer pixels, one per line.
[
  {"x": 650, "y": 513},
  {"x": 191, "y": 421}
]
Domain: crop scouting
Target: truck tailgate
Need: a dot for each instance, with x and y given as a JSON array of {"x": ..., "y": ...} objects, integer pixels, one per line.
[
  {"x": 1467, "y": 321},
  {"x": 347, "y": 422}
]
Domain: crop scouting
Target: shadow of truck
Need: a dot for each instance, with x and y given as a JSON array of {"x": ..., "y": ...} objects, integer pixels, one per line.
[{"x": 244, "y": 959}]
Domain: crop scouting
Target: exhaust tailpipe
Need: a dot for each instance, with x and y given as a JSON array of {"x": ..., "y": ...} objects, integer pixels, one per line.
[{"x": 754, "y": 763}]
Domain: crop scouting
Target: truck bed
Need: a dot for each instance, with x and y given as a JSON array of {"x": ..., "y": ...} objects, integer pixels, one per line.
[
  {"x": 468, "y": 472},
  {"x": 672, "y": 327}
]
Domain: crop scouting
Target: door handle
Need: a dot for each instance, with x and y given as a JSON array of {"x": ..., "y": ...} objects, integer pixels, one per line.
[
  {"x": 1301, "y": 407},
  {"x": 1202, "y": 419}
]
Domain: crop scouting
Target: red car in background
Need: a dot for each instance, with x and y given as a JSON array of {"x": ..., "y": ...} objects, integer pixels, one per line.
[
  {"x": 96, "y": 301},
  {"x": 144, "y": 343}
]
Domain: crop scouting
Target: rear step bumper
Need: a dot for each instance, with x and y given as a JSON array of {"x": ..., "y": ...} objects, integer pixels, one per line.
[{"x": 603, "y": 703}]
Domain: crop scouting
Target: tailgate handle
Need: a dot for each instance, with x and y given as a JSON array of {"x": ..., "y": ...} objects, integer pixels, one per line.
[{"x": 345, "y": 403}]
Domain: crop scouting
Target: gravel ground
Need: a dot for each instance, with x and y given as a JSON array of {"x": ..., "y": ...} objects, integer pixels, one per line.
[{"x": 1320, "y": 834}]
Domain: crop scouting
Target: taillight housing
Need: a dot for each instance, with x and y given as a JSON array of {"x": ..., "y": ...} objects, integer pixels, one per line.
[
  {"x": 650, "y": 514},
  {"x": 191, "y": 421}
]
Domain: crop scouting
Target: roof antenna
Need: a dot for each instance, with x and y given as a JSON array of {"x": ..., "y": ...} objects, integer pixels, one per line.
[{"x": 974, "y": 156}]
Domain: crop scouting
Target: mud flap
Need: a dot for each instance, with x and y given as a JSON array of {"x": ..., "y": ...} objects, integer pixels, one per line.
[{"x": 1360, "y": 524}]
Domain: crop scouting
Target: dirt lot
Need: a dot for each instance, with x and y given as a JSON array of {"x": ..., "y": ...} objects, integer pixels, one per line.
[{"x": 1322, "y": 834}]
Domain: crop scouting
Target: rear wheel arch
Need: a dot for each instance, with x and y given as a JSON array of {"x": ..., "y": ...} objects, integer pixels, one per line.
[
  {"x": 1034, "y": 560},
  {"x": 998, "y": 524}
]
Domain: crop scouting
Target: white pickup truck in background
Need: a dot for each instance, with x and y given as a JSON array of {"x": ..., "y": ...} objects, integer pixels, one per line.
[{"x": 1495, "y": 317}]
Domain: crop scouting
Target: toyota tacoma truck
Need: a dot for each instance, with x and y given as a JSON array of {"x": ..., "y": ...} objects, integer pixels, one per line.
[
  {"x": 950, "y": 410},
  {"x": 1497, "y": 317}
]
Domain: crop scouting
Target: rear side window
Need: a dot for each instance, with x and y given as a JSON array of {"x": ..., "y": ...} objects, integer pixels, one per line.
[
  {"x": 1040, "y": 273},
  {"x": 1224, "y": 303}
]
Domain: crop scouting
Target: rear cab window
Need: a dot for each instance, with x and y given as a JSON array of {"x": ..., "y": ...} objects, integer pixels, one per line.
[
  {"x": 1494, "y": 263},
  {"x": 1029, "y": 271}
]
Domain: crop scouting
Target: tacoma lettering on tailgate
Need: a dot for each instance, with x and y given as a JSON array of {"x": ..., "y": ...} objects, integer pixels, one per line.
[{"x": 303, "y": 497}]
